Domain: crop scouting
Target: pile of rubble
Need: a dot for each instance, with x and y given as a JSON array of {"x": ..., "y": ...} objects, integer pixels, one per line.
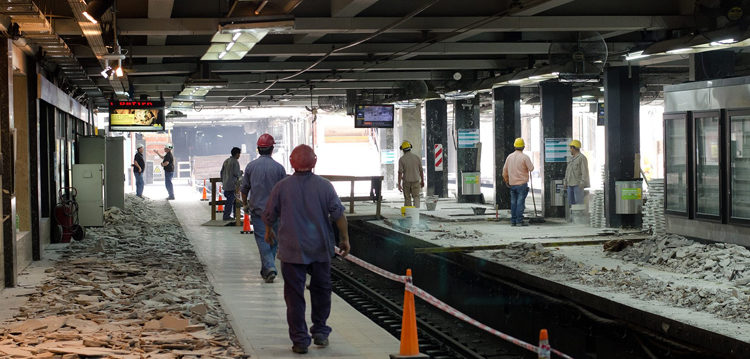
[
  {"x": 132, "y": 289},
  {"x": 727, "y": 303},
  {"x": 714, "y": 262},
  {"x": 458, "y": 233}
]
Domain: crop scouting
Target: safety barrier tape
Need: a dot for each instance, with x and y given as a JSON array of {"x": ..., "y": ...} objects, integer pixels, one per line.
[{"x": 427, "y": 297}]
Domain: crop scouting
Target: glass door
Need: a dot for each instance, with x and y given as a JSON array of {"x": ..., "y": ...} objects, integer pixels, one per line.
[
  {"x": 676, "y": 163},
  {"x": 739, "y": 166},
  {"x": 707, "y": 164}
]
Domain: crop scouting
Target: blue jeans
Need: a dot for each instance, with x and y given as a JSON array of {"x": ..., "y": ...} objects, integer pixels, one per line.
[
  {"x": 320, "y": 298},
  {"x": 267, "y": 252},
  {"x": 575, "y": 194},
  {"x": 229, "y": 206},
  {"x": 138, "y": 183},
  {"x": 518, "y": 195},
  {"x": 168, "y": 183}
]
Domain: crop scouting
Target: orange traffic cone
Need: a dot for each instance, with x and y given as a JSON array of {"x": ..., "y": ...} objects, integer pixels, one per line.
[
  {"x": 204, "y": 192},
  {"x": 220, "y": 208},
  {"x": 246, "y": 229},
  {"x": 409, "y": 340},
  {"x": 544, "y": 350}
]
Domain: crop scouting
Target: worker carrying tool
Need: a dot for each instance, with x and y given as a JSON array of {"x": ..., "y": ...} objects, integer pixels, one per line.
[
  {"x": 411, "y": 174},
  {"x": 308, "y": 207},
  {"x": 516, "y": 175},
  {"x": 260, "y": 176},
  {"x": 576, "y": 174}
]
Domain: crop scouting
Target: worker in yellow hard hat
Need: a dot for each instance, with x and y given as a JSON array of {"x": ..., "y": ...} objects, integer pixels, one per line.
[
  {"x": 516, "y": 175},
  {"x": 411, "y": 174},
  {"x": 576, "y": 174}
]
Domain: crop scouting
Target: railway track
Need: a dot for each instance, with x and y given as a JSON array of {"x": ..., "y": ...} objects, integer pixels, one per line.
[{"x": 441, "y": 336}]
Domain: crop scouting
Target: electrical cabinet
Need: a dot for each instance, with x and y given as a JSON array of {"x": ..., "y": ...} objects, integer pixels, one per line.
[{"x": 88, "y": 179}]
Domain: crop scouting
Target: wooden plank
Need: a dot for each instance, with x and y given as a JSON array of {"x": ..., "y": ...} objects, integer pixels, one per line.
[{"x": 504, "y": 246}]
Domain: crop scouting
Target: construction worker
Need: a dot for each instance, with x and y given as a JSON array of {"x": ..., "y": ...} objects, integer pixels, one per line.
[
  {"x": 411, "y": 174},
  {"x": 139, "y": 165},
  {"x": 230, "y": 175},
  {"x": 260, "y": 176},
  {"x": 576, "y": 174},
  {"x": 167, "y": 161},
  {"x": 307, "y": 205},
  {"x": 516, "y": 175}
]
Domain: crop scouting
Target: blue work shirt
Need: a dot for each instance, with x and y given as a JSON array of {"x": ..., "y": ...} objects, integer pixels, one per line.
[
  {"x": 305, "y": 204},
  {"x": 259, "y": 178}
]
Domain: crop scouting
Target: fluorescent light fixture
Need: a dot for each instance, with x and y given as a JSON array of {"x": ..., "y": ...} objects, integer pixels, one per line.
[
  {"x": 96, "y": 8},
  {"x": 260, "y": 7},
  {"x": 230, "y": 45},
  {"x": 516, "y": 81},
  {"x": 222, "y": 54},
  {"x": 680, "y": 51},
  {"x": 635, "y": 56},
  {"x": 722, "y": 42},
  {"x": 89, "y": 17},
  {"x": 234, "y": 44},
  {"x": 236, "y": 36}
]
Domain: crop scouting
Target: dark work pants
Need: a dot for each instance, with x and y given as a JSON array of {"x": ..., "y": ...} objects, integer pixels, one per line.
[{"x": 294, "y": 295}]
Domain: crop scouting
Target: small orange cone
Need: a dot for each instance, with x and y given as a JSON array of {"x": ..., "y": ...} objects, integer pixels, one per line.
[
  {"x": 204, "y": 192},
  {"x": 544, "y": 348},
  {"x": 409, "y": 340},
  {"x": 246, "y": 229},
  {"x": 221, "y": 206}
]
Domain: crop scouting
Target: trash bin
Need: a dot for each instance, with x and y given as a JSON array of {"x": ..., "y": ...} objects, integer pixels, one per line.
[{"x": 629, "y": 195}]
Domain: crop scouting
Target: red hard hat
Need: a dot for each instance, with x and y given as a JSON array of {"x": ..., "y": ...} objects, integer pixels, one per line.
[
  {"x": 266, "y": 140},
  {"x": 303, "y": 158}
]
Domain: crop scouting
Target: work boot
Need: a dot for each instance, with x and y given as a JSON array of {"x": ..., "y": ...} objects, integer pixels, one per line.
[
  {"x": 299, "y": 349},
  {"x": 270, "y": 277}
]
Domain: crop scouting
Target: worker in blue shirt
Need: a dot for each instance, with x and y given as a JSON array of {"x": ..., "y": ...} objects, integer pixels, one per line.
[
  {"x": 307, "y": 205},
  {"x": 260, "y": 176}
]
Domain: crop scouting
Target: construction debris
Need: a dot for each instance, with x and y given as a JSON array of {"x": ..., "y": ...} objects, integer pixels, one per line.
[
  {"x": 727, "y": 302},
  {"x": 132, "y": 289}
]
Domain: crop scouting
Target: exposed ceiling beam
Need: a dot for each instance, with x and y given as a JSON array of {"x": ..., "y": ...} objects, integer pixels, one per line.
[
  {"x": 254, "y": 87},
  {"x": 167, "y": 73},
  {"x": 305, "y": 25},
  {"x": 533, "y": 7},
  {"x": 367, "y": 49},
  {"x": 348, "y": 8},
  {"x": 158, "y": 9}
]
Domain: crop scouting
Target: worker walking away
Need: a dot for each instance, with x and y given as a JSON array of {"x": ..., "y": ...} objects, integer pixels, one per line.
[
  {"x": 167, "y": 162},
  {"x": 516, "y": 175},
  {"x": 230, "y": 175},
  {"x": 260, "y": 176},
  {"x": 576, "y": 174},
  {"x": 308, "y": 206},
  {"x": 139, "y": 165},
  {"x": 411, "y": 174}
]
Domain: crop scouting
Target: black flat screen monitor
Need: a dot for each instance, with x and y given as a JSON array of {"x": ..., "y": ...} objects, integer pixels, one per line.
[
  {"x": 136, "y": 116},
  {"x": 373, "y": 116}
]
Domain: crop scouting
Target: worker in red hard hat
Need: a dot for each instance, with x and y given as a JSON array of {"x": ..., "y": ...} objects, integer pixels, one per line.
[
  {"x": 307, "y": 205},
  {"x": 260, "y": 176}
]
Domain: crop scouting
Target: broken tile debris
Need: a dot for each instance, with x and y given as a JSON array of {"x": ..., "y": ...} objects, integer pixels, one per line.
[{"x": 132, "y": 289}]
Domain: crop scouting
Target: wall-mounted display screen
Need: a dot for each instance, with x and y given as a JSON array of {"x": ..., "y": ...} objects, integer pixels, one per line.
[
  {"x": 136, "y": 116},
  {"x": 373, "y": 116}
]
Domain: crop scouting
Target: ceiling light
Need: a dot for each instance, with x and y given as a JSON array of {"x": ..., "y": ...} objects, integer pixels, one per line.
[
  {"x": 679, "y": 51},
  {"x": 722, "y": 42},
  {"x": 236, "y": 36},
  {"x": 635, "y": 56},
  {"x": 222, "y": 54},
  {"x": 230, "y": 45},
  {"x": 96, "y": 8},
  {"x": 106, "y": 72},
  {"x": 118, "y": 70},
  {"x": 260, "y": 7}
]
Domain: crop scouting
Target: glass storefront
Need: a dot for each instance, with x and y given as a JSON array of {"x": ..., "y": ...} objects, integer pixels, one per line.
[
  {"x": 740, "y": 166},
  {"x": 708, "y": 153},
  {"x": 676, "y": 164}
]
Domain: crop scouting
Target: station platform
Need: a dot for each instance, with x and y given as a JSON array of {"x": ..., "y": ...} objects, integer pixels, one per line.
[{"x": 256, "y": 309}]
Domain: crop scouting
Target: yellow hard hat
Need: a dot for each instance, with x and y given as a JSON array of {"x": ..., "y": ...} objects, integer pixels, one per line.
[
  {"x": 576, "y": 144},
  {"x": 406, "y": 145},
  {"x": 518, "y": 143}
]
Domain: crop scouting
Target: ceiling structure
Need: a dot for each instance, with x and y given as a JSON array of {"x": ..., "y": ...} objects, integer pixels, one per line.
[{"x": 379, "y": 50}]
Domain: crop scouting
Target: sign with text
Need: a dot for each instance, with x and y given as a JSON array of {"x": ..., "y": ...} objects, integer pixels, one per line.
[
  {"x": 556, "y": 149},
  {"x": 468, "y": 138},
  {"x": 136, "y": 116}
]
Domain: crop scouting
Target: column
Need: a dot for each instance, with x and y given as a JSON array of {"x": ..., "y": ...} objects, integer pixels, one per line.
[
  {"x": 622, "y": 103},
  {"x": 411, "y": 129},
  {"x": 467, "y": 127},
  {"x": 389, "y": 156},
  {"x": 34, "y": 165},
  {"x": 557, "y": 122},
  {"x": 507, "y": 111},
  {"x": 436, "y": 123},
  {"x": 6, "y": 148}
]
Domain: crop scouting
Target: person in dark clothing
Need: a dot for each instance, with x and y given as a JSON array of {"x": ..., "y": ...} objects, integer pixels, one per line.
[
  {"x": 230, "y": 178},
  {"x": 168, "y": 164},
  {"x": 139, "y": 165}
]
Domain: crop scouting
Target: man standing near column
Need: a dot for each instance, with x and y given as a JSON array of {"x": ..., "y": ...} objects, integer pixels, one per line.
[
  {"x": 260, "y": 176},
  {"x": 576, "y": 174},
  {"x": 167, "y": 161},
  {"x": 307, "y": 206},
  {"x": 230, "y": 175},
  {"x": 411, "y": 174},
  {"x": 139, "y": 165},
  {"x": 516, "y": 174}
]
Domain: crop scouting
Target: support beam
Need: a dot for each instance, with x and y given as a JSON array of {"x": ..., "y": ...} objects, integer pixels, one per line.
[
  {"x": 348, "y": 8},
  {"x": 533, "y": 7},
  {"x": 436, "y": 129},
  {"x": 34, "y": 153},
  {"x": 507, "y": 112},
  {"x": 622, "y": 104},
  {"x": 10, "y": 261},
  {"x": 158, "y": 9},
  {"x": 467, "y": 126},
  {"x": 557, "y": 122}
]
